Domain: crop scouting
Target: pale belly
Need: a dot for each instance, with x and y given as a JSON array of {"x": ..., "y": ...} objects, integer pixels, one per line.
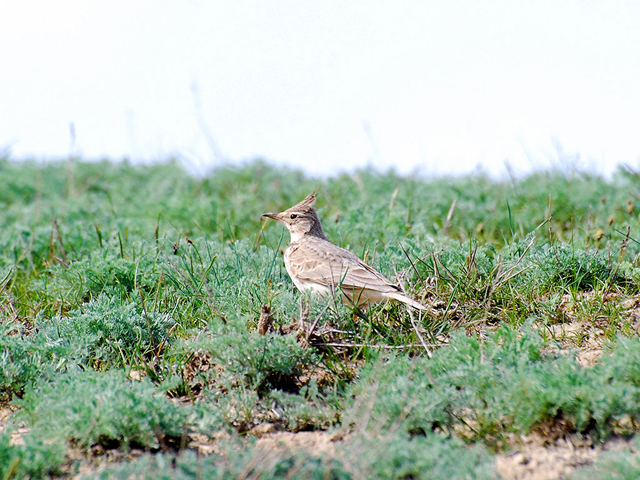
[
  {"x": 360, "y": 297},
  {"x": 306, "y": 285}
]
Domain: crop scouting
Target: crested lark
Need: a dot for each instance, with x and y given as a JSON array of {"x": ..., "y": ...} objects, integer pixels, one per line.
[{"x": 314, "y": 263}]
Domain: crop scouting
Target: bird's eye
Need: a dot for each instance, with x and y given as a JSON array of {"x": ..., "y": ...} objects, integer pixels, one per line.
[{"x": 293, "y": 215}]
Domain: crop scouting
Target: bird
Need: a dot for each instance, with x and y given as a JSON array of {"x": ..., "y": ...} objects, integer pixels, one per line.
[{"x": 316, "y": 264}]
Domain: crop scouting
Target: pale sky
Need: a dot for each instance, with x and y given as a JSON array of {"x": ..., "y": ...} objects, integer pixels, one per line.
[{"x": 430, "y": 86}]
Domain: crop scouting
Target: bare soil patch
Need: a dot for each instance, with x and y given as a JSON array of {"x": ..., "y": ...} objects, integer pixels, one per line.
[
  {"x": 536, "y": 460},
  {"x": 322, "y": 443}
]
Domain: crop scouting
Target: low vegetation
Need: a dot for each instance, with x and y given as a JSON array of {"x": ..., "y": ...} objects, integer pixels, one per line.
[{"x": 148, "y": 328}]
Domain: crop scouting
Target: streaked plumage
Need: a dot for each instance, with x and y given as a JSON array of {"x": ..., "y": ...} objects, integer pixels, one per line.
[{"x": 314, "y": 263}]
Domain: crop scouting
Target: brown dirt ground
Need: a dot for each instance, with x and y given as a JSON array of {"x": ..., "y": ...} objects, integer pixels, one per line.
[{"x": 536, "y": 461}]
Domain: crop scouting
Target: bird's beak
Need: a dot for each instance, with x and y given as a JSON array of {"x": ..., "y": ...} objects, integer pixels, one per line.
[{"x": 271, "y": 215}]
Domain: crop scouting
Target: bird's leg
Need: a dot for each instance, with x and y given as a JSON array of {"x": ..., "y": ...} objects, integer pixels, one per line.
[{"x": 304, "y": 313}]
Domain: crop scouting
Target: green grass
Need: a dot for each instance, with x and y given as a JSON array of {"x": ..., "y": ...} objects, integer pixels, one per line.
[
  {"x": 35, "y": 459},
  {"x": 484, "y": 390},
  {"x": 91, "y": 408},
  {"x": 130, "y": 298}
]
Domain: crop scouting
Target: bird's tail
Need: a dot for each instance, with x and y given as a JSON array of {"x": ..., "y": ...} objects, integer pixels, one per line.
[{"x": 407, "y": 301}]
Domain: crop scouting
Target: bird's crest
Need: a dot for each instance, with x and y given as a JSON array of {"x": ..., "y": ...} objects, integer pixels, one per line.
[{"x": 306, "y": 205}]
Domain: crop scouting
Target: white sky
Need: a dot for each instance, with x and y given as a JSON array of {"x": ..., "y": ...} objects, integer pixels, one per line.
[{"x": 437, "y": 86}]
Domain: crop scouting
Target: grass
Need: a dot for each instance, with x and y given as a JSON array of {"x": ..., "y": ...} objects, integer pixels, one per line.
[
  {"x": 484, "y": 391},
  {"x": 108, "y": 408},
  {"x": 130, "y": 298}
]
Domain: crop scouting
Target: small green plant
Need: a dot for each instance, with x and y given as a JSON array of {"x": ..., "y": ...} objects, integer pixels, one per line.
[
  {"x": 247, "y": 377},
  {"x": 112, "y": 333},
  {"x": 26, "y": 357},
  {"x": 399, "y": 456},
  {"x": 107, "y": 408},
  {"x": 258, "y": 362},
  {"x": 307, "y": 411},
  {"x": 34, "y": 459}
]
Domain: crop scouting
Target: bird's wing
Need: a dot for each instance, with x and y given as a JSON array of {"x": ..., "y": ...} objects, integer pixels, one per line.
[{"x": 327, "y": 264}]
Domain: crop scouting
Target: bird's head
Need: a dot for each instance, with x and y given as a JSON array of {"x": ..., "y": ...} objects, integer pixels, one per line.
[{"x": 301, "y": 219}]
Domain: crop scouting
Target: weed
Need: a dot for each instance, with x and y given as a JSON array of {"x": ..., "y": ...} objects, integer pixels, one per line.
[
  {"x": 110, "y": 333},
  {"x": 110, "y": 409},
  {"x": 34, "y": 459},
  {"x": 27, "y": 357}
]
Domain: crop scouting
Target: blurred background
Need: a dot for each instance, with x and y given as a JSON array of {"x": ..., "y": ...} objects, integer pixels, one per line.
[{"x": 433, "y": 87}]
